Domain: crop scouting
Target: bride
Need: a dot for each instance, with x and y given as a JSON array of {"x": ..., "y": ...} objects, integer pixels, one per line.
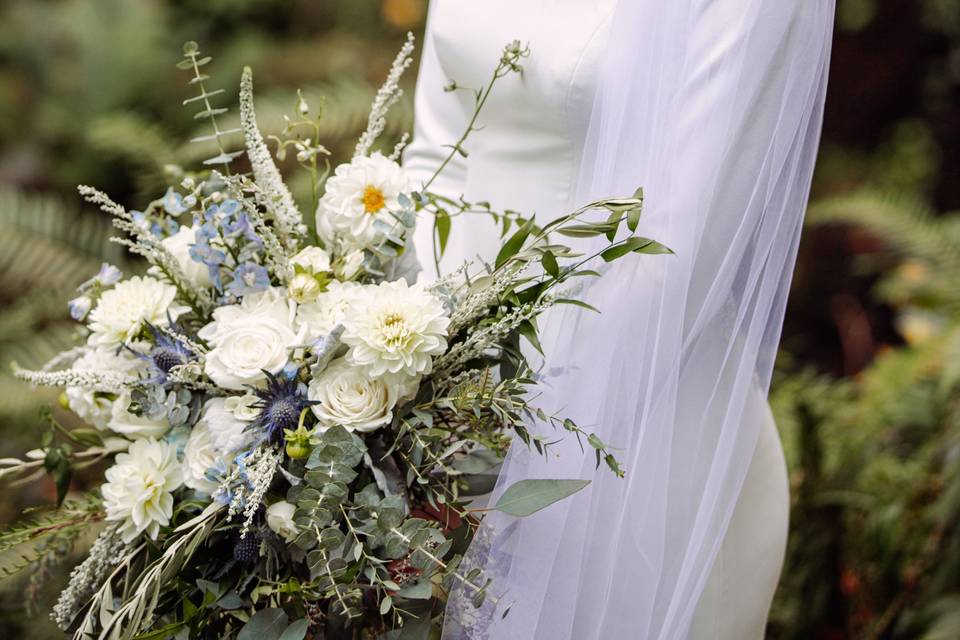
[{"x": 714, "y": 107}]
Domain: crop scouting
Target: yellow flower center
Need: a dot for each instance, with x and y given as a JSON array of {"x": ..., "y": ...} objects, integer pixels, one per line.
[
  {"x": 373, "y": 199},
  {"x": 394, "y": 329}
]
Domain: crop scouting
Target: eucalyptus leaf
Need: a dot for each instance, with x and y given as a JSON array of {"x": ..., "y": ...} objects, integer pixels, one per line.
[
  {"x": 529, "y": 496},
  {"x": 297, "y": 630},
  {"x": 266, "y": 624}
]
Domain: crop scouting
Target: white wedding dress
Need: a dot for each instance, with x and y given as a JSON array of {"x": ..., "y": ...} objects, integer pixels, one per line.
[{"x": 526, "y": 157}]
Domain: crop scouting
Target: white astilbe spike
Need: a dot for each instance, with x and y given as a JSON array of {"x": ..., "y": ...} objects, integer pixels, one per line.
[
  {"x": 398, "y": 150},
  {"x": 386, "y": 97},
  {"x": 279, "y": 201},
  {"x": 276, "y": 257},
  {"x": 63, "y": 359},
  {"x": 87, "y": 576},
  {"x": 476, "y": 305},
  {"x": 105, "y": 381},
  {"x": 486, "y": 337},
  {"x": 196, "y": 347},
  {"x": 146, "y": 245}
]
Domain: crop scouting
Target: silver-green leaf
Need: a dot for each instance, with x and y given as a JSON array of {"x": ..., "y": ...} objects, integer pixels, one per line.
[{"x": 529, "y": 496}]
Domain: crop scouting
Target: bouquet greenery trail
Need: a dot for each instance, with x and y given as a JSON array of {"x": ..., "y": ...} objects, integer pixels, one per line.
[{"x": 294, "y": 428}]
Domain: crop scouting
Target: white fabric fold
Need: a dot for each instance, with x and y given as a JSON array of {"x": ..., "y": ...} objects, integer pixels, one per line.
[{"x": 715, "y": 108}]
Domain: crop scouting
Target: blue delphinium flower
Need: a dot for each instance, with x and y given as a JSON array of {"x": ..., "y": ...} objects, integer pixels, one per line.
[
  {"x": 108, "y": 275},
  {"x": 202, "y": 251},
  {"x": 80, "y": 307},
  {"x": 249, "y": 278},
  {"x": 281, "y": 403},
  {"x": 173, "y": 202},
  {"x": 218, "y": 213}
]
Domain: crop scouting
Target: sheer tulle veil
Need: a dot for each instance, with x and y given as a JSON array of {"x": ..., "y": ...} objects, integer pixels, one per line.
[{"x": 715, "y": 108}]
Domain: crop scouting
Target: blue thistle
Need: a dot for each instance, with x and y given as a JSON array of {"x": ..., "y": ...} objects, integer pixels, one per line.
[
  {"x": 281, "y": 403},
  {"x": 165, "y": 354}
]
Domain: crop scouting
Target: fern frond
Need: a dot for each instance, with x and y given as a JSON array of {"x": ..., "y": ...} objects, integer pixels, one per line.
[
  {"x": 139, "y": 143},
  {"x": 46, "y": 245},
  {"x": 902, "y": 221}
]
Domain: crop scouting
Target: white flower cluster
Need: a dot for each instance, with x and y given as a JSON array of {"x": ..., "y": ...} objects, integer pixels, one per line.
[{"x": 243, "y": 330}]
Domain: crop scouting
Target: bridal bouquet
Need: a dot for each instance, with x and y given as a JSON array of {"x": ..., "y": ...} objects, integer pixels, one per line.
[{"x": 292, "y": 427}]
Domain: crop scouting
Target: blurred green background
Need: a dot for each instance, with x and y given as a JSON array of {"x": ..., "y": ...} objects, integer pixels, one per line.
[{"x": 867, "y": 388}]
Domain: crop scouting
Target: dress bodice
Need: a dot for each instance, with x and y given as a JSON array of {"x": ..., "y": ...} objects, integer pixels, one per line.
[{"x": 525, "y": 156}]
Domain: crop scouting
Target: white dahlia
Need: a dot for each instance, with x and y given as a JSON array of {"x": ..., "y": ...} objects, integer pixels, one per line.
[
  {"x": 121, "y": 312},
  {"x": 358, "y": 194},
  {"x": 95, "y": 407},
  {"x": 327, "y": 311},
  {"x": 348, "y": 397},
  {"x": 249, "y": 338},
  {"x": 139, "y": 489},
  {"x": 395, "y": 328}
]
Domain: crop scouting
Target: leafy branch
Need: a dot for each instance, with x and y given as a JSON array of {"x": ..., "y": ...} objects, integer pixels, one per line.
[{"x": 192, "y": 62}]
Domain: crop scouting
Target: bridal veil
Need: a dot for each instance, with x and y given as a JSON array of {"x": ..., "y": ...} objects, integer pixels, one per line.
[{"x": 715, "y": 108}]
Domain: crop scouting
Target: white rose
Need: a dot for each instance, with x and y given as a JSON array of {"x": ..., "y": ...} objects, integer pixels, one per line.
[
  {"x": 121, "y": 312},
  {"x": 327, "y": 311},
  {"x": 395, "y": 328},
  {"x": 200, "y": 460},
  {"x": 360, "y": 193},
  {"x": 348, "y": 397},
  {"x": 227, "y": 431},
  {"x": 179, "y": 245},
  {"x": 95, "y": 407},
  {"x": 280, "y": 520},
  {"x": 131, "y": 425},
  {"x": 243, "y": 408},
  {"x": 139, "y": 489},
  {"x": 312, "y": 259},
  {"x": 254, "y": 336}
]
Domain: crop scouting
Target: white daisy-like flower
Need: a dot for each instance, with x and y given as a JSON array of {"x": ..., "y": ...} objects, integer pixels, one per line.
[
  {"x": 249, "y": 338},
  {"x": 121, "y": 312},
  {"x": 179, "y": 245},
  {"x": 349, "y": 397},
  {"x": 395, "y": 328},
  {"x": 95, "y": 407},
  {"x": 130, "y": 425},
  {"x": 139, "y": 489},
  {"x": 359, "y": 193},
  {"x": 327, "y": 311}
]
